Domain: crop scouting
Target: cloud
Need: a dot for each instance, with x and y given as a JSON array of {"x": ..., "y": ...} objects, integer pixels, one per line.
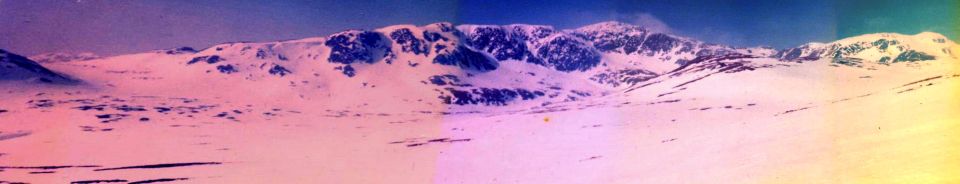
[{"x": 645, "y": 20}]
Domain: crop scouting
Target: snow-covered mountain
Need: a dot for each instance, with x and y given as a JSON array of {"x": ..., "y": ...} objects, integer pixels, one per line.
[
  {"x": 14, "y": 67},
  {"x": 873, "y": 49}
]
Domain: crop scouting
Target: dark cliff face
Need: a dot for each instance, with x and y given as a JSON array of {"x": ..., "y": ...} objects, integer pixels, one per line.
[
  {"x": 467, "y": 59},
  {"x": 409, "y": 43},
  {"x": 500, "y": 42},
  {"x": 913, "y": 56},
  {"x": 568, "y": 54},
  {"x": 357, "y": 47},
  {"x": 658, "y": 43},
  {"x": 486, "y": 96}
]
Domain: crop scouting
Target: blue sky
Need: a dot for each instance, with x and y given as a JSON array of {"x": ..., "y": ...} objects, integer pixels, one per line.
[{"x": 117, "y": 27}]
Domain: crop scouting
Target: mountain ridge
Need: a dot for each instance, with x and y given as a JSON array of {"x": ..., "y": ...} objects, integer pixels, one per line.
[
  {"x": 500, "y": 64},
  {"x": 620, "y": 44}
]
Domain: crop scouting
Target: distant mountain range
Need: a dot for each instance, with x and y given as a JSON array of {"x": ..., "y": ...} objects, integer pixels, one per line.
[
  {"x": 879, "y": 48},
  {"x": 497, "y": 64}
]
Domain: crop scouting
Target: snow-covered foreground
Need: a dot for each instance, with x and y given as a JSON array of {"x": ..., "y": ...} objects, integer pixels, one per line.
[{"x": 797, "y": 123}]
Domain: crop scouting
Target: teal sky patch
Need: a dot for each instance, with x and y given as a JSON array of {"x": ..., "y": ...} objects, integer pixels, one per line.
[{"x": 906, "y": 17}]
